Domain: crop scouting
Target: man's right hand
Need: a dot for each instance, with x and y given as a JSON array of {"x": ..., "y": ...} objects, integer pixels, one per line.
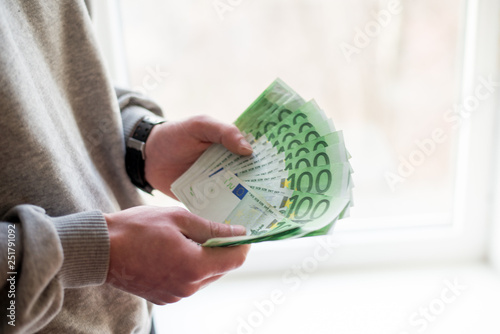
[{"x": 155, "y": 252}]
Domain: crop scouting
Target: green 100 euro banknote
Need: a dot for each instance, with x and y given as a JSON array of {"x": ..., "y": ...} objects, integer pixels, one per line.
[{"x": 296, "y": 183}]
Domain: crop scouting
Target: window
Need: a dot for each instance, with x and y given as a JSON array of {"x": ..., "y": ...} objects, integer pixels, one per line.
[{"x": 411, "y": 84}]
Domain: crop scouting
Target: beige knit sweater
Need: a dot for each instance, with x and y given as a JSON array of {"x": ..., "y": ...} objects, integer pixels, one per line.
[{"x": 61, "y": 155}]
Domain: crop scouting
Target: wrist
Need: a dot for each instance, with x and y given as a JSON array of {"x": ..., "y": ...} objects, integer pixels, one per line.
[
  {"x": 135, "y": 157},
  {"x": 112, "y": 232},
  {"x": 149, "y": 147}
]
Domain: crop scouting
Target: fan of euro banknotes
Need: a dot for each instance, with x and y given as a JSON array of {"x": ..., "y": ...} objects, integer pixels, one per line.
[{"x": 296, "y": 183}]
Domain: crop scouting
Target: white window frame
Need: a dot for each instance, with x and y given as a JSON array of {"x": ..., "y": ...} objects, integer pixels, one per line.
[
  {"x": 464, "y": 235},
  {"x": 106, "y": 20}
]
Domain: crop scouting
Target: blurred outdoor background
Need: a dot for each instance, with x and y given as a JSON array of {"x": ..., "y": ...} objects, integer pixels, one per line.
[{"x": 390, "y": 93}]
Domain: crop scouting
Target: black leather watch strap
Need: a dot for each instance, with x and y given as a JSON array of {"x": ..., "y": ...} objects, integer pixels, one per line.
[{"x": 134, "y": 156}]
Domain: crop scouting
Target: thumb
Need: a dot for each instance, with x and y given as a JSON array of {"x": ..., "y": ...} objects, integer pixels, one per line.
[
  {"x": 209, "y": 130},
  {"x": 200, "y": 229}
]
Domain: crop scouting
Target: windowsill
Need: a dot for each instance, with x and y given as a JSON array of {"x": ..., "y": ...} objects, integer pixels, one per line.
[{"x": 349, "y": 301}]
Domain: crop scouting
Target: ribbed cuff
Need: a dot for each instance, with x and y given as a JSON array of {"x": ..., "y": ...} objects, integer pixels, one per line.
[{"x": 85, "y": 242}]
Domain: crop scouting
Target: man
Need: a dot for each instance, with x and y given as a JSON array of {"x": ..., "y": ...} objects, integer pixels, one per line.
[{"x": 78, "y": 252}]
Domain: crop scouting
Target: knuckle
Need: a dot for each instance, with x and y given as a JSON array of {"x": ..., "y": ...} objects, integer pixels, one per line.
[
  {"x": 159, "y": 302},
  {"x": 200, "y": 119},
  {"x": 171, "y": 300},
  {"x": 180, "y": 215},
  {"x": 229, "y": 130},
  {"x": 179, "y": 210},
  {"x": 186, "y": 291},
  {"x": 242, "y": 256}
]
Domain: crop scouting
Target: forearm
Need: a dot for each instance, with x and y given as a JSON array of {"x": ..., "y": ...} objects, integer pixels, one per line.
[
  {"x": 50, "y": 255},
  {"x": 134, "y": 107}
]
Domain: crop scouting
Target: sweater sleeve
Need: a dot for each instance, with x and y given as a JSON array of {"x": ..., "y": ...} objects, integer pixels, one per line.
[
  {"x": 41, "y": 256},
  {"x": 134, "y": 107}
]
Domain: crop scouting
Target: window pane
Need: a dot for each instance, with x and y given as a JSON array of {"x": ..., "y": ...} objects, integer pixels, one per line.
[{"x": 384, "y": 71}]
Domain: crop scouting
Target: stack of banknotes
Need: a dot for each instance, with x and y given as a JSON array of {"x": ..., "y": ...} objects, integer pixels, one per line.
[{"x": 296, "y": 183}]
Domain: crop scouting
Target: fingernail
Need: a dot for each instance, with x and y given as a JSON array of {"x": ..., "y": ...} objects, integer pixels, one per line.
[
  {"x": 238, "y": 230},
  {"x": 245, "y": 146}
]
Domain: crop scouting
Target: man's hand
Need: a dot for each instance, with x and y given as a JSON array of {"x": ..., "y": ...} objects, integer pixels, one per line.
[
  {"x": 155, "y": 254},
  {"x": 172, "y": 147}
]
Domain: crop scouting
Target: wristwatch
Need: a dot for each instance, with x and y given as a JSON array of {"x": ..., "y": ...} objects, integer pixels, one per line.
[{"x": 135, "y": 154}]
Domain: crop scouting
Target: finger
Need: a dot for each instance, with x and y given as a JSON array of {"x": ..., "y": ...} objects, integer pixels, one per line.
[
  {"x": 200, "y": 229},
  {"x": 163, "y": 298},
  {"x": 187, "y": 290},
  {"x": 210, "y": 130},
  {"x": 217, "y": 260},
  {"x": 205, "y": 264},
  {"x": 220, "y": 260},
  {"x": 210, "y": 280}
]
